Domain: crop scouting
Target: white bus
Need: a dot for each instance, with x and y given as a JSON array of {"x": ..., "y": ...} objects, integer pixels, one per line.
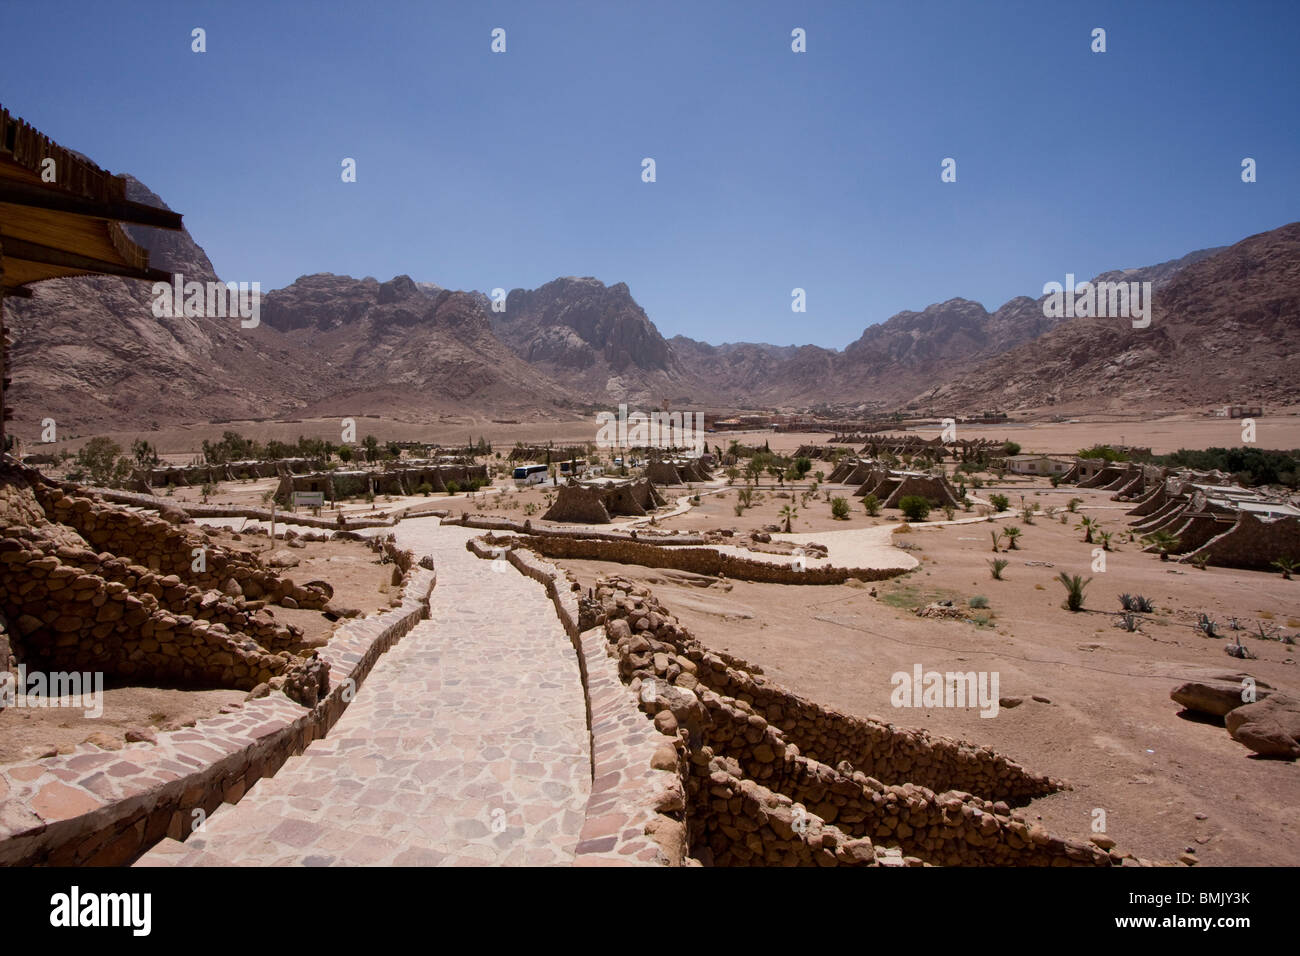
[
  {"x": 530, "y": 474},
  {"x": 573, "y": 467}
]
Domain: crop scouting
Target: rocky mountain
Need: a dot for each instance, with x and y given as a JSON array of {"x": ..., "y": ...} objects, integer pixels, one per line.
[
  {"x": 1223, "y": 329},
  {"x": 591, "y": 337},
  {"x": 400, "y": 347},
  {"x": 89, "y": 352}
]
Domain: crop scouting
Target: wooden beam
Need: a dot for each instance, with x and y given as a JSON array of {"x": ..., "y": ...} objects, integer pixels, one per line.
[
  {"x": 23, "y": 251},
  {"x": 25, "y": 194}
]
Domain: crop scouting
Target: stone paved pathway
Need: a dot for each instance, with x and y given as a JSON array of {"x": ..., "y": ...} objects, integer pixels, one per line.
[{"x": 466, "y": 745}]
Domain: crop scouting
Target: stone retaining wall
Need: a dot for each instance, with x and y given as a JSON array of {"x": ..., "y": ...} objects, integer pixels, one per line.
[
  {"x": 699, "y": 560},
  {"x": 527, "y": 527},
  {"x": 156, "y": 503},
  {"x": 734, "y": 740},
  {"x": 104, "y": 808}
]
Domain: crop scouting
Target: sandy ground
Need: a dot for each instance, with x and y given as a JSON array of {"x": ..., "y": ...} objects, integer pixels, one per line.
[
  {"x": 359, "y": 582},
  {"x": 1278, "y": 428},
  {"x": 1110, "y": 728}
]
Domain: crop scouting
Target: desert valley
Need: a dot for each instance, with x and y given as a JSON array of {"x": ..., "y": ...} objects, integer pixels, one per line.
[{"x": 384, "y": 571}]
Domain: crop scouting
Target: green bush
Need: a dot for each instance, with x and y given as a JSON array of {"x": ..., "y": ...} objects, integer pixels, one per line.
[
  {"x": 840, "y": 509},
  {"x": 872, "y": 505},
  {"x": 453, "y": 487},
  {"x": 978, "y": 600},
  {"x": 425, "y": 489},
  {"x": 914, "y": 507},
  {"x": 999, "y": 502}
]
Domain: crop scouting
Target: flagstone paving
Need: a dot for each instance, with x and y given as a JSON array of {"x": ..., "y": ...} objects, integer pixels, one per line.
[{"x": 466, "y": 745}]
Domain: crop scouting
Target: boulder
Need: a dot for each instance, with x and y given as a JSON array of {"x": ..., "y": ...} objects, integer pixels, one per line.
[
  {"x": 1216, "y": 696},
  {"x": 282, "y": 559},
  {"x": 1270, "y": 727}
]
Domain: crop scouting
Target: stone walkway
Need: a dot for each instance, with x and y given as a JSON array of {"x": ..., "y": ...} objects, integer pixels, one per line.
[{"x": 466, "y": 745}]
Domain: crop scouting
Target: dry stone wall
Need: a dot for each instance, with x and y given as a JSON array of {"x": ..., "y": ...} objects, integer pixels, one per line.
[
  {"x": 761, "y": 785},
  {"x": 85, "y": 586},
  {"x": 700, "y": 560},
  {"x": 104, "y": 808}
]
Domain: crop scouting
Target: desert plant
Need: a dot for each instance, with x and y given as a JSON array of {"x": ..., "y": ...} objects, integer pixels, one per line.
[
  {"x": 1207, "y": 625},
  {"x": 1287, "y": 566},
  {"x": 996, "y": 567},
  {"x": 997, "y": 538},
  {"x": 914, "y": 507},
  {"x": 789, "y": 513},
  {"x": 425, "y": 489},
  {"x": 840, "y": 509},
  {"x": 1129, "y": 622},
  {"x": 1200, "y": 562},
  {"x": 872, "y": 505},
  {"x": 978, "y": 600},
  {"x": 1105, "y": 537},
  {"x": 949, "y": 511},
  {"x": 739, "y": 509},
  {"x": 1027, "y": 514},
  {"x": 1074, "y": 585},
  {"x": 1163, "y": 542},
  {"x": 999, "y": 502},
  {"x": 1065, "y": 517},
  {"x": 1012, "y": 534},
  {"x": 1089, "y": 526},
  {"x": 1073, "y": 505}
]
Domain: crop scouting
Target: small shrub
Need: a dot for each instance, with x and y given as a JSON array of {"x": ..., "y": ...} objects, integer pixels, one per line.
[
  {"x": 1074, "y": 586},
  {"x": 999, "y": 502},
  {"x": 949, "y": 511},
  {"x": 914, "y": 507},
  {"x": 872, "y": 505},
  {"x": 840, "y": 509},
  {"x": 425, "y": 489},
  {"x": 978, "y": 600},
  {"x": 452, "y": 487},
  {"x": 997, "y": 566}
]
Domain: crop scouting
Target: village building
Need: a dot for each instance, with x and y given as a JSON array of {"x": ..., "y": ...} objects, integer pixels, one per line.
[{"x": 1046, "y": 465}]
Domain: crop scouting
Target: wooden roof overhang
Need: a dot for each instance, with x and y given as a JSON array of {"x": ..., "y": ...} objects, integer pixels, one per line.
[{"x": 71, "y": 226}]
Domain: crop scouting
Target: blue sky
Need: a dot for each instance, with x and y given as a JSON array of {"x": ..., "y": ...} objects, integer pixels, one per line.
[{"x": 775, "y": 170}]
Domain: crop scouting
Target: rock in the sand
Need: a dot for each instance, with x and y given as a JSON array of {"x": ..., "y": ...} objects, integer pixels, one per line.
[
  {"x": 1270, "y": 727},
  {"x": 1216, "y": 697},
  {"x": 283, "y": 559}
]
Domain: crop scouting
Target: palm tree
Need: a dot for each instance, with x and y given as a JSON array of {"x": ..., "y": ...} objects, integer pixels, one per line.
[
  {"x": 1286, "y": 566},
  {"x": 1162, "y": 541},
  {"x": 1074, "y": 585},
  {"x": 1088, "y": 526},
  {"x": 789, "y": 513},
  {"x": 1011, "y": 534},
  {"x": 1105, "y": 539}
]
